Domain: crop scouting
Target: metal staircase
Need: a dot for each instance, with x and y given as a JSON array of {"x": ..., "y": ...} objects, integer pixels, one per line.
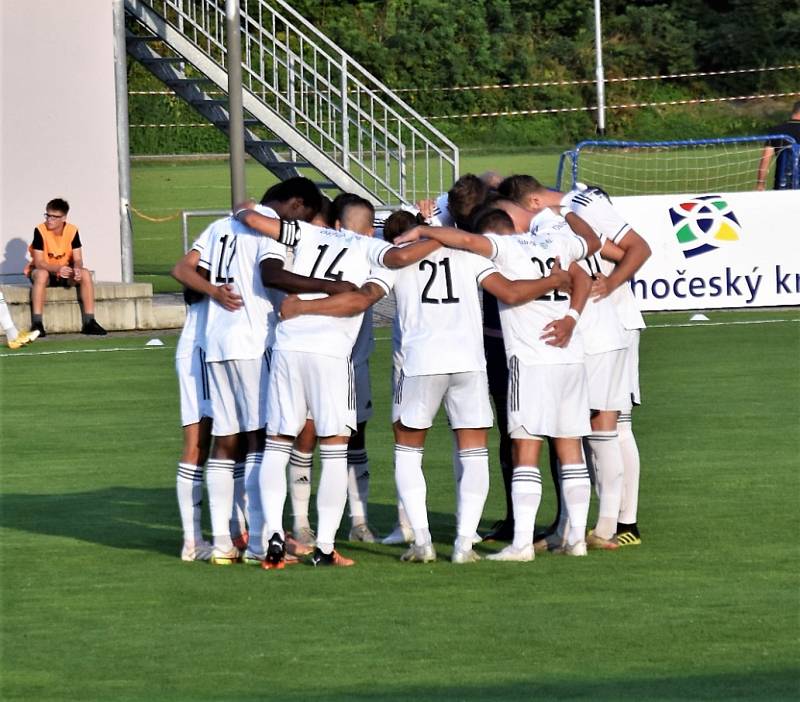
[{"x": 309, "y": 107}]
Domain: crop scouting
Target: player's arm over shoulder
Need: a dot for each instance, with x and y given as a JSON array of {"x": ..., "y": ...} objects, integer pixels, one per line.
[{"x": 346, "y": 304}]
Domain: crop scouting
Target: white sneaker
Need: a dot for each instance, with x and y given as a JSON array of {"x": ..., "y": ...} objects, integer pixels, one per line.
[
  {"x": 576, "y": 549},
  {"x": 468, "y": 556},
  {"x": 305, "y": 536},
  {"x": 400, "y": 535},
  {"x": 512, "y": 553},
  {"x": 419, "y": 554},
  {"x": 196, "y": 550},
  {"x": 362, "y": 532}
]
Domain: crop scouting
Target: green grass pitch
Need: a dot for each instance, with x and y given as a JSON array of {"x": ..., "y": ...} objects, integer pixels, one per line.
[{"x": 96, "y": 604}]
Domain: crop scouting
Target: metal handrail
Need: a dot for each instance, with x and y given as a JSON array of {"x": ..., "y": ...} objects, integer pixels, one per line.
[{"x": 327, "y": 97}]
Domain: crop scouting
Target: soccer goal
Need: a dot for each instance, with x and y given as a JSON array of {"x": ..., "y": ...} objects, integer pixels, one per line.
[{"x": 653, "y": 167}]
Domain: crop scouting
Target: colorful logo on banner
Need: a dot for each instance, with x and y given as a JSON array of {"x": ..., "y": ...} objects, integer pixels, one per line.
[{"x": 704, "y": 223}]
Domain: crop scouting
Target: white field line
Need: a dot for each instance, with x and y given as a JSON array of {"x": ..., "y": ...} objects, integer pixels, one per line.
[{"x": 386, "y": 338}]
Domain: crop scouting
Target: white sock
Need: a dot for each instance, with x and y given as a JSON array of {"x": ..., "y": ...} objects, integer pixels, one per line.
[
  {"x": 238, "y": 519},
  {"x": 458, "y": 473},
  {"x": 607, "y": 459},
  {"x": 576, "y": 490},
  {"x": 631, "y": 467},
  {"x": 473, "y": 489},
  {"x": 219, "y": 483},
  {"x": 357, "y": 484},
  {"x": 331, "y": 493},
  {"x": 255, "y": 513},
  {"x": 5, "y": 320},
  {"x": 402, "y": 517},
  {"x": 412, "y": 489},
  {"x": 272, "y": 484},
  {"x": 300, "y": 487},
  {"x": 189, "y": 486},
  {"x": 526, "y": 494}
]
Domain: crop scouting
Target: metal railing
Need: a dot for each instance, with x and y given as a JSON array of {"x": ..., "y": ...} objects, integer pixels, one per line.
[{"x": 325, "y": 95}]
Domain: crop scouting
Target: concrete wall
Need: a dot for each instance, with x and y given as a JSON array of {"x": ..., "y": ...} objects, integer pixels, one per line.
[{"x": 58, "y": 127}]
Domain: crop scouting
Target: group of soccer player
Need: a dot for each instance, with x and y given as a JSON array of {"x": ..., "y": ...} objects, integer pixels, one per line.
[{"x": 274, "y": 358}]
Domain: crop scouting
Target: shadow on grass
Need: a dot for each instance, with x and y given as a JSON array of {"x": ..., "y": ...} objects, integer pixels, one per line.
[
  {"x": 147, "y": 519},
  {"x": 763, "y": 685}
]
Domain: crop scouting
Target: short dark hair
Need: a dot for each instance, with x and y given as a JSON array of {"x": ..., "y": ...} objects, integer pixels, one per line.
[
  {"x": 300, "y": 187},
  {"x": 58, "y": 204},
  {"x": 467, "y": 193},
  {"x": 400, "y": 222},
  {"x": 357, "y": 201},
  {"x": 491, "y": 219},
  {"x": 338, "y": 205},
  {"x": 518, "y": 187}
]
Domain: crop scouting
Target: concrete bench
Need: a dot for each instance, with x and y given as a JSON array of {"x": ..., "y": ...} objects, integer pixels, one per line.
[{"x": 118, "y": 307}]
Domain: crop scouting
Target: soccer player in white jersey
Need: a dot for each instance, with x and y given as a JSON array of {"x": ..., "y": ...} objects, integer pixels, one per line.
[
  {"x": 312, "y": 375},
  {"x": 548, "y": 393},
  {"x": 439, "y": 315},
  {"x": 14, "y": 338},
  {"x": 594, "y": 206},
  {"x": 236, "y": 347}
]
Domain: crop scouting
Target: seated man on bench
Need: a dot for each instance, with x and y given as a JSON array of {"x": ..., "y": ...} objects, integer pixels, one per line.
[{"x": 58, "y": 262}]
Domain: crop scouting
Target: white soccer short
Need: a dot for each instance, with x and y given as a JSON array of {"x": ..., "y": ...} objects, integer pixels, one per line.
[
  {"x": 632, "y": 368},
  {"x": 608, "y": 382},
  {"x": 417, "y": 399},
  {"x": 309, "y": 384},
  {"x": 548, "y": 400},
  {"x": 193, "y": 387},
  {"x": 238, "y": 395},
  {"x": 363, "y": 392}
]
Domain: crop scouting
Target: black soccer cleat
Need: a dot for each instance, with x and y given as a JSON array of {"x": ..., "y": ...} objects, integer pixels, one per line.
[
  {"x": 92, "y": 328},
  {"x": 38, "y": 326},
  {"x": 276, "y": 553},
  {"x": 320, "y": 559}
]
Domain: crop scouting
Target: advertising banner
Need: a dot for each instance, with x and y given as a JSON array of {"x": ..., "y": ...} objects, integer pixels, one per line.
[{"x": 717, "y": 250}]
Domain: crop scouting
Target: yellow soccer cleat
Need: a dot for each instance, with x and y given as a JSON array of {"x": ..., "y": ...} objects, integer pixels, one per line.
[{"x": 23, "y": 338}]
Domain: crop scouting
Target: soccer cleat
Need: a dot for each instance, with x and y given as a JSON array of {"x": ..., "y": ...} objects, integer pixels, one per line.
[
  {"x": 459, "y": 556},
  {"x": 275, "y": 558},
  {"x": 252, "y": 559},
  {"x": 419, "y": 554},
  {"x": 296, "y": 548},
  {"x": 241, "y": 540},
  {"x": 512, "y": 553},
  {"x": 39, "y": 327},
  {"x": 225, "y": 558},
  {"x": 362, "y": 532},
  {"x": 92, "y": 328},
  {"x": 551, "y": 542},
  {"x": 502, "y": 530},
  {"x": 476, "y": 538},
  {"x": 23, "y": 338},
  {"x": 306, "y": 536},
  {"x": 576, "y": 549},
  {"x": 334, "y": 558},
  {"x": 628, "y": 538},
  {"x": 401, "y": 535},
  {"x": 196, "y": 550},
  {"x": 595, "y": 542}
]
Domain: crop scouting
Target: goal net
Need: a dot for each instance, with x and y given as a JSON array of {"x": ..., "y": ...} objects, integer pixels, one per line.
[{"x": 654, "y": 167}]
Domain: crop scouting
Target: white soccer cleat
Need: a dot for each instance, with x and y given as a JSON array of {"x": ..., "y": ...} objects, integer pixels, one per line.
[
  {"x": 419, "y": 554},
  {"x": 362, "y": 532},
  {"x": 196, "y": 551},
  {"x": 459, "y": 556},
  {"x": 576, "y": 549},
  {"x": 305, "y": 536},
  {"x": 512, "y": 553},
  {"x": 400, "y": 535}
]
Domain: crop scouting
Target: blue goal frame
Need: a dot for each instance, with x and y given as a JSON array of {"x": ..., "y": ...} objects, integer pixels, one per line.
[{"x": 574, "y": 154}]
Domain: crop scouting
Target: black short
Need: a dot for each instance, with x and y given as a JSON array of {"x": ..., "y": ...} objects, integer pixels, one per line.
[{"x": 54, "y": 281}]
